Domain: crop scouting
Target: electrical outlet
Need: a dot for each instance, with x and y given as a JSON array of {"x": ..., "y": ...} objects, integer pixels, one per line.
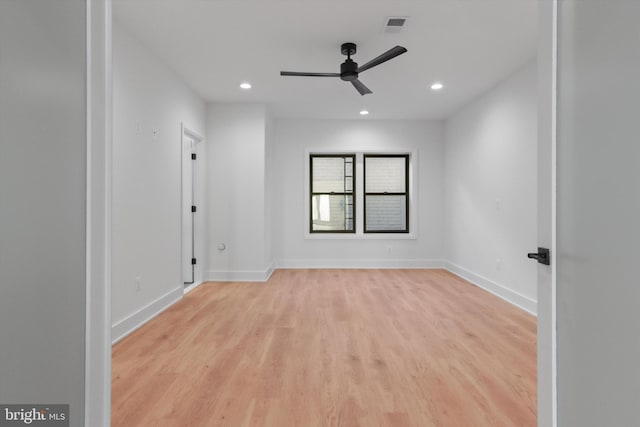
[
  {"x": 138, "y": 283},
  {"x": 498, "y": 263},
  {"x": 138, "y": 127}
]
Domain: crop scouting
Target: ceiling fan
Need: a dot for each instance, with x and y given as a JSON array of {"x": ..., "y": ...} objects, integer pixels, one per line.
[{"x": 349, "y": 69}]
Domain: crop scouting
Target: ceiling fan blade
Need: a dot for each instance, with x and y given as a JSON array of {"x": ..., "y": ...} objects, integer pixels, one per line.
[
  {"x": 360, "y": 87},
  {"x": 390, "y": 54},
  {"x": 294, "y": 73}
]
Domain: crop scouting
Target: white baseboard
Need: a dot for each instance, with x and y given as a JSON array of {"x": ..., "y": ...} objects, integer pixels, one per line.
[
  {"x": 270, "y": 271},
  {"x": 146, "y": 313},
  {"x": 525, "y": 303},
  {"x": 240, "y": 276},
  {"x": 191, "y": 287},
  {"x": 361, "y": 263}
]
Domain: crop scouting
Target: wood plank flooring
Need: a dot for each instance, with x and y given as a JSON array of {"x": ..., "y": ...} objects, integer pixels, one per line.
[{"x": 331, "y": 348}]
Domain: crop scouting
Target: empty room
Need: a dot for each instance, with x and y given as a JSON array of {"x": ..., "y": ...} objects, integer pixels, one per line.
[
  {"x": 319, "y": 213},
  {"x": 345, "y": 249}
]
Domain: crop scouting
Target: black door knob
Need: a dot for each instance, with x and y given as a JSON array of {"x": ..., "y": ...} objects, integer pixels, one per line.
[{"x": 542, "y": 256}]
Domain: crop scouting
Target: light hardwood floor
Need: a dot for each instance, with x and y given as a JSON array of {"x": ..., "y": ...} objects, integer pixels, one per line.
[{"x": 331, "y": 348}]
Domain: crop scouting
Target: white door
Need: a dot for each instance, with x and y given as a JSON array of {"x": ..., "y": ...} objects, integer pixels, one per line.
[
  {"x": 598, "y": 213},
  {"x": 598, "y": 289},
  {"x": 189, "y": 159}
]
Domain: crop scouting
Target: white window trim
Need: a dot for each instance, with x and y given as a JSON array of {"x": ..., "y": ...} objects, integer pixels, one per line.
[{"x": 359, "y": 196}]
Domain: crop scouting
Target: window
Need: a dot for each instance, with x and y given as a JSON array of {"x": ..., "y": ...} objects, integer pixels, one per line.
[
  {"x": 386, "y": 193},
  {"x": 332, "y": 193}
]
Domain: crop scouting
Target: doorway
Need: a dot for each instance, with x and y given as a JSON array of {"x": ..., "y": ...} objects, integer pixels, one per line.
[
  {"x": 190, "y": 143},
  {"x": 190, "y": 209}
]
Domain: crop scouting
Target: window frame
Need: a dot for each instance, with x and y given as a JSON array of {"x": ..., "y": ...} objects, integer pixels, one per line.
[
  {"x": 352, "y": 156},
  {"x": 406, "y": 192}
]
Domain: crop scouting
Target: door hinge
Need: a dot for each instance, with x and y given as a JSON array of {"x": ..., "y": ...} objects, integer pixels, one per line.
[
  {"x": 193, "y": 208},
  {"x": 193, "y": 156},
  {"x": 193, "y": 261}
]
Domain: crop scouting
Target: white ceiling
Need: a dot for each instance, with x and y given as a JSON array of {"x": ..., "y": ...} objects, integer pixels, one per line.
[{"x": 214, "y": 45}]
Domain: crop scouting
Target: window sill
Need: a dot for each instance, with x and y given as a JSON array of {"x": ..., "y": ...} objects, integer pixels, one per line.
[{"x": 360, "y": 236}]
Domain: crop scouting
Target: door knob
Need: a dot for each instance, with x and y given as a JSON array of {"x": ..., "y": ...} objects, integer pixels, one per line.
[{"x": 542, "y": 256}]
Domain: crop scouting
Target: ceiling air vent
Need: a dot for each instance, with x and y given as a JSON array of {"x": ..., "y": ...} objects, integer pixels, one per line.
[{"x": 394, "y": 24}]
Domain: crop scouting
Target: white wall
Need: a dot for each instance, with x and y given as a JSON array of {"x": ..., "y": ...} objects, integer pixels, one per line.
[
  {"x": 491, "y": 189},
  {"x": 294, "y": 138},
  {"x": 236, "y": 189},
  {"x": 43, "y": 176},
  {"x": 147, "y": 97}
]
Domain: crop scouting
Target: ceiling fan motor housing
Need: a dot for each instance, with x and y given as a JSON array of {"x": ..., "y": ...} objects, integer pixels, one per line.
[{"x": 348, "y": 70}]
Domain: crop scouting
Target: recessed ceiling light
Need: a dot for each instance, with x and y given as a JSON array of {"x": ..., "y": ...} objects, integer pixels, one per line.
[
  {"x": 364, "y": 112},
  {"x": 245, "y": 85},
  {"x": 437, "y": 86}
]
